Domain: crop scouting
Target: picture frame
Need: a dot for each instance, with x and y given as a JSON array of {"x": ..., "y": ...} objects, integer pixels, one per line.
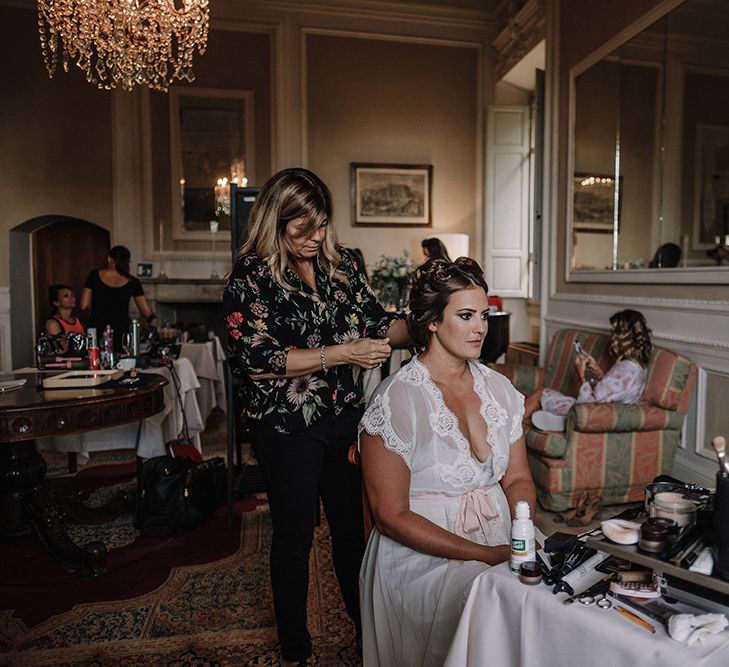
[
  {"x": 594, "y": 202},
  {"x": 391, "y": 195}
]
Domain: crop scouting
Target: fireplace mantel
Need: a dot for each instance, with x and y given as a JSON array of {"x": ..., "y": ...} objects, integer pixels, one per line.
[{"x": 183, "y": 290}]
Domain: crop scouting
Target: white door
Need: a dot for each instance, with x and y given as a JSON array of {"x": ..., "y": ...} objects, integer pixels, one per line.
[{"x": 507, "y": 200}]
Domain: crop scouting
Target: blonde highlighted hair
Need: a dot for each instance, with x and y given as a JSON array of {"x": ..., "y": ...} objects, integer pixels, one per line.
[
  {"x": 630, "y": 337},
  {"x": 288, "y": 195}
]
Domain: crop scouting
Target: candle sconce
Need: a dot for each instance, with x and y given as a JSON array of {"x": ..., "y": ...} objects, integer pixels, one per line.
[
  {"x": 214, "y": 226},
  {"x": 161, "y": 275}
]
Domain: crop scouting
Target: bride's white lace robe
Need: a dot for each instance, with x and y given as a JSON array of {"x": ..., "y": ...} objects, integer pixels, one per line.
[{"x": 411, "y": 602}]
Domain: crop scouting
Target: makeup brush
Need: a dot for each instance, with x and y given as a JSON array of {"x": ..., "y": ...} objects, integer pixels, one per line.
[{"x": 719, "y": 445}]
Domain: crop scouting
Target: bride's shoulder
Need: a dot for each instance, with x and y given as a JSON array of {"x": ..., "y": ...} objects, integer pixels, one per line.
[{"x": 409, "y": 380}]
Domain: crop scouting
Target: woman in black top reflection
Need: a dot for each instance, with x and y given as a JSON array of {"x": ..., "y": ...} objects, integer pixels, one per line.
[
  {"x": 434, "y": 248},
  {"x": 107, "y": 292}
]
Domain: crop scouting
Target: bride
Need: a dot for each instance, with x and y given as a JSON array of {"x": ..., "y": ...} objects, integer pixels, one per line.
[{"x": 444, "y": 464}]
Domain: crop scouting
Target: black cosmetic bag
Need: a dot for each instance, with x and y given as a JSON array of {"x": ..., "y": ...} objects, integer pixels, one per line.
[{"x": 177, "y": 493}]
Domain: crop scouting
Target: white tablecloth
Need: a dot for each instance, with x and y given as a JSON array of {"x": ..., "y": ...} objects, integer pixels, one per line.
[
  {"x": 507, "y": 623},
  {"x": 207, "y": 360},
  {"x": 156, "y": 430}
]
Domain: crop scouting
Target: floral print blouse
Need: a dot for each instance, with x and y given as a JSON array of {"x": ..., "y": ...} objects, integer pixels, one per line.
[{"x": 264, "y": 320}]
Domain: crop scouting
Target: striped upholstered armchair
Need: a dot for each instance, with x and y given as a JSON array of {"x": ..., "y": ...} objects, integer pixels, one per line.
[{"x": 609, "y": 450}]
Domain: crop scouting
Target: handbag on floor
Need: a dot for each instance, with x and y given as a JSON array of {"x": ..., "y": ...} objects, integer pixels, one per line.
[{"x": 178, "y": 493}]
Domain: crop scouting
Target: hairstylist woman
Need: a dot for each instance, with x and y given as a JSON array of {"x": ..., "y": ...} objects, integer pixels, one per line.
[
  {"x": 302, "y": 323},
  {"x": 107, "y": 293}
]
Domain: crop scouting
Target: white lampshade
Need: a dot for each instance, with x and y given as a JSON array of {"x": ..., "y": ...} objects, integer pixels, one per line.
[{"x": 456, "y": 244}]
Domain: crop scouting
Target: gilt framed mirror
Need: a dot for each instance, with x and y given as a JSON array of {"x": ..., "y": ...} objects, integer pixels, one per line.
[
  {"x": 211, "y": 146},
  {"x": 649, "y": 129}
]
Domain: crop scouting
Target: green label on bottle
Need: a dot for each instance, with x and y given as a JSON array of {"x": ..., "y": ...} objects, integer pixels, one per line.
[{"x": 518, "y": 545}]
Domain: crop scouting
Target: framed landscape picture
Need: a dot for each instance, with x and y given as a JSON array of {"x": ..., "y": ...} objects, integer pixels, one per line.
[
  {"x": 391, "y": 195},
  {"x": 594, "y": 202}
]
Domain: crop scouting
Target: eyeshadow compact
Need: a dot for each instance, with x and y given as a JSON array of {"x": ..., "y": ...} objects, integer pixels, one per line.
[{"x": 530, "y": 573}]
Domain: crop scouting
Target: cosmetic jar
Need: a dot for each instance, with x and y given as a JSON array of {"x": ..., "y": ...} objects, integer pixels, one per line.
[
  {"x": 674, "y": 506},
  {"x": 654, "y": 488},
  {"x": 530, "y": 573},
  {"x": 653, "y": 537},
  {"x": 670, "y": 525}
]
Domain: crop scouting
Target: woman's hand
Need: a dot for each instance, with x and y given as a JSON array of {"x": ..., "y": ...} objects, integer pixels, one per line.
[
  {"x": 580, "y": 364},
  {"x": 592, "y": 365},
  {"x": 368, "y": 352}
]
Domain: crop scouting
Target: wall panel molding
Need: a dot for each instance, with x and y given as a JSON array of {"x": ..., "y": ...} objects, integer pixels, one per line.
[
  {"x": 5, "y": 347},
  {"x": 400, "y": 12}
]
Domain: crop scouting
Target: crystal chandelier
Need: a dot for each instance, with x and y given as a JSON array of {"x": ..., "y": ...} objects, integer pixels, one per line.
[{"x": 124, "y": 42}]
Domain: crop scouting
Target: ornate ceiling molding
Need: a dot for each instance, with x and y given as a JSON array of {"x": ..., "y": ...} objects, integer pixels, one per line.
[{"x": 523, "y": 31}]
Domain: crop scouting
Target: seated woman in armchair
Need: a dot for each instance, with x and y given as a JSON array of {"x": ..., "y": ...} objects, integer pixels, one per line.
[{"x": 630, "y": 346}]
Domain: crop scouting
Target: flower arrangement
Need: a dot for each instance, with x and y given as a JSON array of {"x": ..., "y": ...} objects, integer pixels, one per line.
[{"x": 391, "y": 278}]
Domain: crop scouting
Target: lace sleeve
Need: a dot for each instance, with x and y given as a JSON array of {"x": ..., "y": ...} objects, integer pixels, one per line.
[
  {"x": 516, "y": 415},
  {"x": 396, "y": 432},
  {"x": 513, "y": 404}
]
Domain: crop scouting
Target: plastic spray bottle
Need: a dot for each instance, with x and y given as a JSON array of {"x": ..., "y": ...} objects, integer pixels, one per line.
[
  {"x": 107, "y": 343},
  {"x": 522, "y": 537}
]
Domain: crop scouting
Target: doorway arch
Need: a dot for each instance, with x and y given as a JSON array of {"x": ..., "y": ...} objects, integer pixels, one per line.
[{"x": 45, "y": 250}]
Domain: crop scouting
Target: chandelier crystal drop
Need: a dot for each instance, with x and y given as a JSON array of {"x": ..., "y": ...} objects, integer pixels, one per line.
[{"x": 124, "y": 42}]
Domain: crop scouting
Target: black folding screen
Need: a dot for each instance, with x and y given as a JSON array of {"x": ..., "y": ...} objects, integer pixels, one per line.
[{"x": 241, "y": 203}]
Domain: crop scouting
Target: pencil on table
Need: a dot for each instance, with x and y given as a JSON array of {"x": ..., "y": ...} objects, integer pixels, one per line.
[{"x": 635, "y": 618}]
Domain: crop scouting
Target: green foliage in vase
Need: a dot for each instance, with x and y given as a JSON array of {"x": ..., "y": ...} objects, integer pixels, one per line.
[{"x": 391, "y": 278}]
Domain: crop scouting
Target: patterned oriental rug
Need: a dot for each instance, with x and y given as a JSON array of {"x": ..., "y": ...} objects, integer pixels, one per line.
[{"x": 179, "y": 602}]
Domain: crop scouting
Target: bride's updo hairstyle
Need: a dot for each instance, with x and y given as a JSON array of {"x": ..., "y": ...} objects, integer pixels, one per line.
[{"x": 433, "y": 284}]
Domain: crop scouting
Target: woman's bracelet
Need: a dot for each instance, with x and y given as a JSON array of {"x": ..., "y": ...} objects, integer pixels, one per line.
[{"x": 323, "y": 359}]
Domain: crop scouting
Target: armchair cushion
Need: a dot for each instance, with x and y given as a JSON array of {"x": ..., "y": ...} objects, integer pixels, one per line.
[
  {"x": 668, "y": 376},
  {"x": 620, "y": 417},
  {"x": 546, "y": 443}
]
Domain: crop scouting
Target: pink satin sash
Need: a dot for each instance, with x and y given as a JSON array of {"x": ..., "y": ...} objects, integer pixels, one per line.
[{"x": 475, "y": 510}]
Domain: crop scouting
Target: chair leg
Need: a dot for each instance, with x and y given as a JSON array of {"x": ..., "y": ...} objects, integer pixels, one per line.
[{"x": 230, "y": 468}]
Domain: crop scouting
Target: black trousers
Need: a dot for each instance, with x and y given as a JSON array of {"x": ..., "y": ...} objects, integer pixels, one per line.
[{"x": 298, "y": 470}]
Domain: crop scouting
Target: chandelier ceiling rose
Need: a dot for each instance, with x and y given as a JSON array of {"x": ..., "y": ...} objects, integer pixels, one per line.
[{"x": 124, "y": 42}]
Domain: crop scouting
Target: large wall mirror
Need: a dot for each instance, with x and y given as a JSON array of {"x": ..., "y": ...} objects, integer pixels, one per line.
[
  {"x": 649, "y": 153},
  {"x": 211, "y": 140}
]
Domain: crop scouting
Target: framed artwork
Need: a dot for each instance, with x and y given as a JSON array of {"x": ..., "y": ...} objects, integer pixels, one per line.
[
  {"x": 594, "y": 203},
  {"x": 391, "y": 195},
  {"x": 711, "y": 186}
]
